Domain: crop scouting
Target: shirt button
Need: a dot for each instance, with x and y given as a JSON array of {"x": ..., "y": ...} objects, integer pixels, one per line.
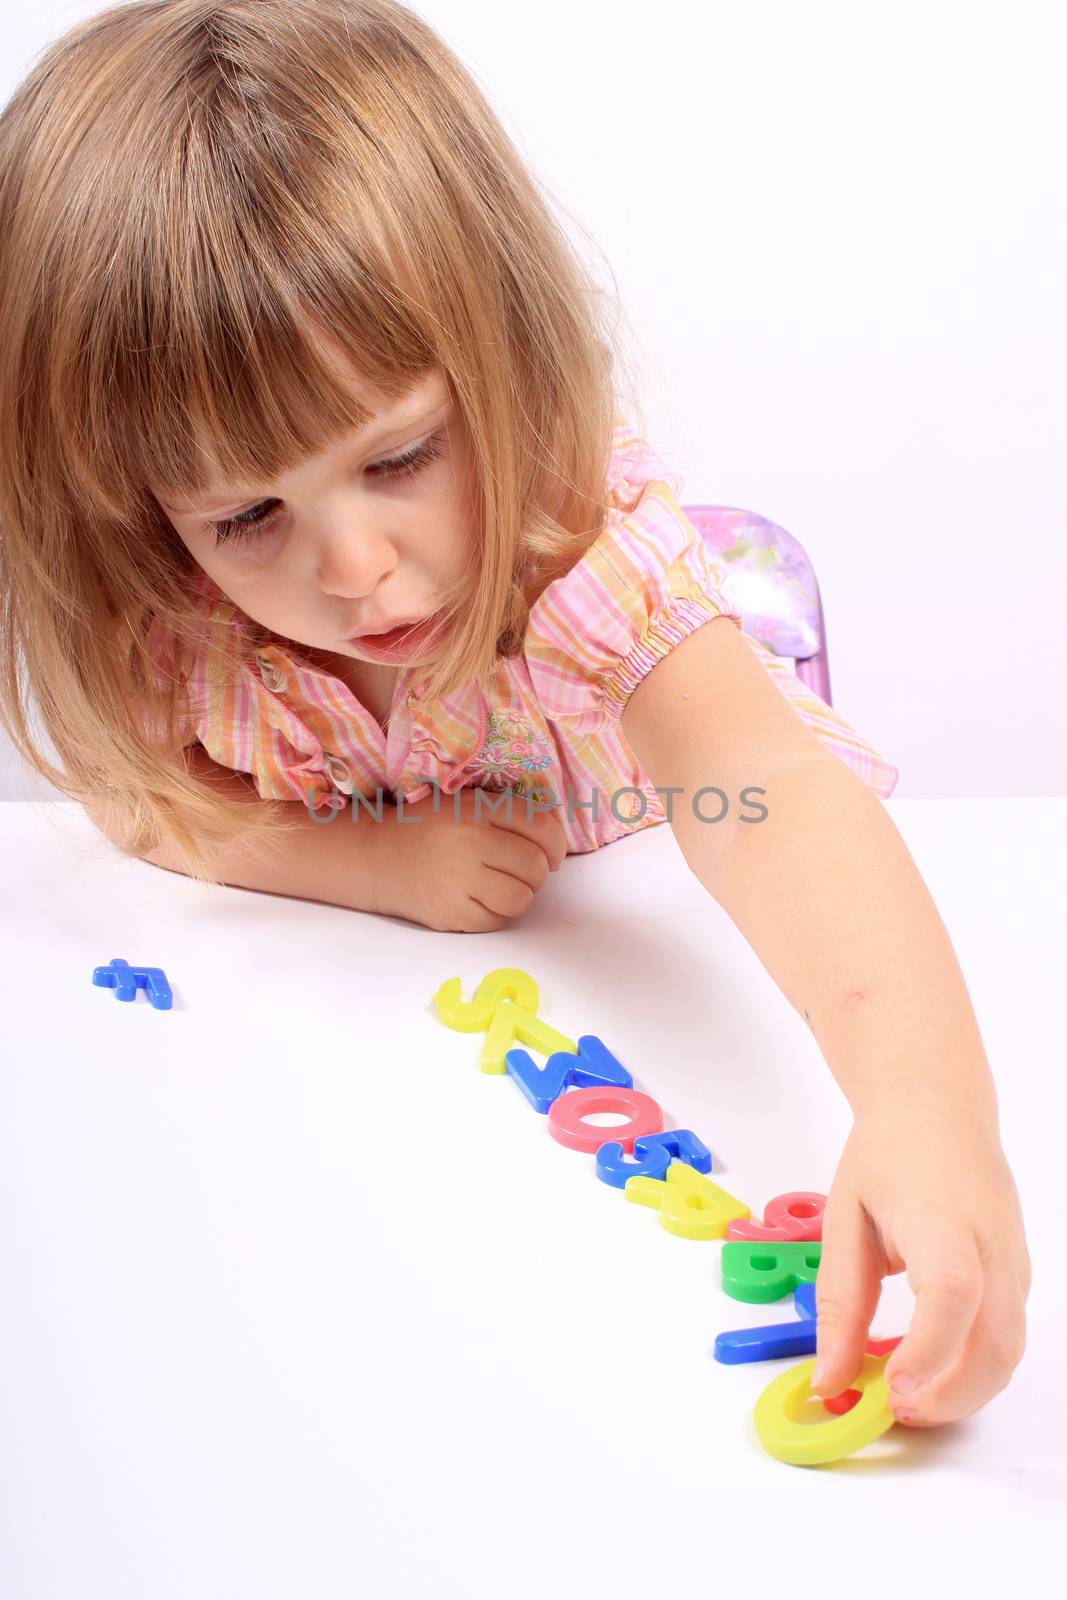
[
  {"x": 274, "y": 679},
  {"x": 339, "y": 771}
]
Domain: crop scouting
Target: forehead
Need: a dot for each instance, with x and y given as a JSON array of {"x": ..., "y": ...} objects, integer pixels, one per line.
[{"x": 377, "y": 419}]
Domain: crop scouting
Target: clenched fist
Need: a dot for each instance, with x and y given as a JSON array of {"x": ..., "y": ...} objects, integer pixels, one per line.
[{"x": 457, "y": 872}]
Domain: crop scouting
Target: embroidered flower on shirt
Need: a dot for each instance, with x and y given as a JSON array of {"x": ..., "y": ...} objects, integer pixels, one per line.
[{"x": 513, "y": 751}]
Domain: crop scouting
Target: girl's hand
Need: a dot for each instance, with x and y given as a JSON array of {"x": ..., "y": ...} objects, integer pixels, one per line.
[
  {"x": 926, "y": 1190},
  {"x": 458, "y": 874}
]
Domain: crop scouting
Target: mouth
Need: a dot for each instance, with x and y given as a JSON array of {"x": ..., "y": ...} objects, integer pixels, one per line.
[{"x": 398, "y": 641}]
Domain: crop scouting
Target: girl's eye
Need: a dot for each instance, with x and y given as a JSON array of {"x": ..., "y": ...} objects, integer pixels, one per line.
[{"x": 259, "y": 518}]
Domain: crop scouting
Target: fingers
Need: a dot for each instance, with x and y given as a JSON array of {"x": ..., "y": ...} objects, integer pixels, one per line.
[
  {"x": 543, "y": 827},
  {"x": 958, "y": 1371},
  {"x": 505, "y": 892},
  {"x": 946, "y": 1276},
  {"x": 517, "y": 855},
  {"x": 547, "y": 827},
  {"x": 480, "y": 920},
  {"x": 551, "y": 836},
  {"x": 559, "y": 852},
  {"x": 548, "y": 834},
  {"x": 848, "y": 1286}
]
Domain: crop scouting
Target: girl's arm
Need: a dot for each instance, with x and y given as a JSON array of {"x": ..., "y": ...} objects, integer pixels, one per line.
[
  {"x": 830, "y": 900},
  {"x": 335, "y": 863},
  {"x": 447, "y": 867}
]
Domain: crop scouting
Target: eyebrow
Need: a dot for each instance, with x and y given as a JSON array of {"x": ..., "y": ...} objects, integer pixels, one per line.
[{"x": 364, "y": 444}]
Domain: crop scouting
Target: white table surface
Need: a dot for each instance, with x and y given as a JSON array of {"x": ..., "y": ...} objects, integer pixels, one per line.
[{"x": 298, "y": 1302}]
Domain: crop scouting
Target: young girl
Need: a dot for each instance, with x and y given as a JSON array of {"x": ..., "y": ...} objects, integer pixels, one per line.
[{"x": 321, "y": 518}]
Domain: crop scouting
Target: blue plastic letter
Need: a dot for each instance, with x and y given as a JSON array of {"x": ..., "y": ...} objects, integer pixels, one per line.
[
  {"x": 779, "y": 1339},
  {"x": 589, "y": 1068},
  {"x": 126, "y": 980},
  {"x": 652, "y": 1156}
]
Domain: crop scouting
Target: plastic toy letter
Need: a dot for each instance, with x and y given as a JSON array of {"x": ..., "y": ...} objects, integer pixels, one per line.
[
  {"x": 689, "y": 1204},
  {"x": 788, "y": 1216},
  {"x": 761, "y": 1272},
  {"x": 511, "y": 1022},
  {"x": 776, "y": 1340},
  {"x": 126, "y": 980},
  {"x": 784, "y": 1405},
  {"x": 567, "y": 1125},
  {"x": 593, "y": 1065},
  {"x": 652, "y": 1156},
  {"x": 474, "y": 1016},
  {"x": 504, "y": 1008}
]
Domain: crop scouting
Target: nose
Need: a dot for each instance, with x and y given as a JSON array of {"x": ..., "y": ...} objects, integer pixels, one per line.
[{"x": 352, "y": 562}]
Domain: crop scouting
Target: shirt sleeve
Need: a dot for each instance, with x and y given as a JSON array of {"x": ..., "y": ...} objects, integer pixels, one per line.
[
  {"x": 241, "y": 723},
  {"x": 838, "y": 736},
  {"x": 644, "y": 584}
]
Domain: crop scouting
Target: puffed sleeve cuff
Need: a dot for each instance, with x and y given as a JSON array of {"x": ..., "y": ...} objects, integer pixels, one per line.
[
  {"x": 643, "y": 585},
  {"x": 681, "y": 619}
]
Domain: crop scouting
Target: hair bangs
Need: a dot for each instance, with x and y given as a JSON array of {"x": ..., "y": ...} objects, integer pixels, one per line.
[{"x": 214, "y": 329}]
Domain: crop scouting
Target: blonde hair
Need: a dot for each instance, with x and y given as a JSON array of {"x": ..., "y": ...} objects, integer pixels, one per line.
[{"x": 192, "y": 192}]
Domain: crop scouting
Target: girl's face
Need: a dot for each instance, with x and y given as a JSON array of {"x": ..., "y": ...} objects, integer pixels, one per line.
[{"x": 364, "y": 537}]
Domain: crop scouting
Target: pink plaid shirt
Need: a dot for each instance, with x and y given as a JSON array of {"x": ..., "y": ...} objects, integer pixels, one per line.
[{"x": 548, "y": 724}]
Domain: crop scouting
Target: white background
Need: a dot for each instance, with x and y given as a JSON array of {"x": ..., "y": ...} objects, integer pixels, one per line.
[
  {"x": 300, "y": 1305},
  {"x": 838, "y": 237}
]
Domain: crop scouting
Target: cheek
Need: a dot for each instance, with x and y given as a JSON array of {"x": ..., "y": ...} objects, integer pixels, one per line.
[
  {"x": 251, "y": 587},
  {"x": 249, "y": 570}
]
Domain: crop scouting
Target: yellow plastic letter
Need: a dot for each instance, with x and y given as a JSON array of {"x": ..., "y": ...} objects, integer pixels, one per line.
[
  {"x": 689, "y": 1204},
  {"x": 474, "y": 1016},
  {"x": 784, "y": 1434},
  {"x": 514, "y": 1022}
]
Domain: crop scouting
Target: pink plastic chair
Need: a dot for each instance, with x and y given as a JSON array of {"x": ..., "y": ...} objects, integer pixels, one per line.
[{"x": 771, "y": 582}]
